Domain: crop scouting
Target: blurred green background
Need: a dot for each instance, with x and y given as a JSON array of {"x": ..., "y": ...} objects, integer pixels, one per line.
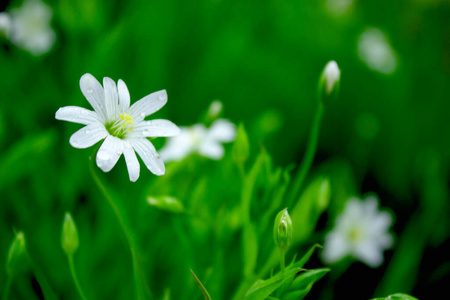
[{"x": 262, "y": 59}]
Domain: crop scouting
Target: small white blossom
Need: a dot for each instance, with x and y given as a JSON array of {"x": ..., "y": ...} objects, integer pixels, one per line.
[
  {"x": 199, "y": 139},
  {"x": 376, "y": 52},
  {"x": 332, "y": 75},
  {"x": 30, "y": 28},
  {"x": 122, "y": 126},
  {"x": 361, "y": 231}
]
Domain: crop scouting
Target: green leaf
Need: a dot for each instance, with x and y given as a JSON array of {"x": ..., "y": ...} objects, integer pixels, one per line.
[
  {"x": 305, "y": 257},
  {"x": 250, "y": 250},
  {"x": 397, "y": 296},
  {"x": 303, "y": 283},
  {"x": 204, "y": 291},
  {"x": 166, "y": 203},
  {"x": 263, "y": 288}
]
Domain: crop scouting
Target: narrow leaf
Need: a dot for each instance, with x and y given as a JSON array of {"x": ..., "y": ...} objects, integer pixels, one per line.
[
  {"x": 204, "y": 291},
  {"x": 263, "y": 288}
]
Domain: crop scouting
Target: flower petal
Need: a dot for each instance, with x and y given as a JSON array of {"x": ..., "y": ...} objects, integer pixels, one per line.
[
  {"x": 335, "y": 248},
  {"x": 109, "y": 153},
  {"x": 88, "y": 136},
  {"x": 77, "y": 115},
  {"x": 148, "y": 105},
  {"x": 154, "y": 128},
  {"x": 369, "y": 253},
  {"x": 93, "y": 91},
  {"x": 222, "y": 130},
  {"x": 131, "y": 161},
  {"x": 211, "y": 149},
  {"x": 124, "y": 95},
  {"x": 178, "y": 147},
  {"x": 148, "y": 153},
  {"x": 111, "y": 98}
]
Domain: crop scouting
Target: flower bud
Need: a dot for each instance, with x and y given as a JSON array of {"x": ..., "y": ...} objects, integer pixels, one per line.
[
  {"x": 17, "y": 260},
  {"x": 69, "y": 236},
  {"x": 329, "y": 81},
  {"x": 241, "y": 148},
  {"x": 323, "y": 196},
  {"x": 282, "y": 230}
]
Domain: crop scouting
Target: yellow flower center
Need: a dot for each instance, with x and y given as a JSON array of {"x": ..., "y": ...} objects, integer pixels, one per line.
[{"x": 121, "y": 126}]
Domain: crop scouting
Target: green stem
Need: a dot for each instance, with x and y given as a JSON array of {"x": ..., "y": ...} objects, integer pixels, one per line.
[
  {"x": 7, "y": 287},
  {"x": 138, "y": 275},
  {"x": 308, "y": 157},
  {"x": 282, "y": 260},
  {"x": 74, "y": 276}
]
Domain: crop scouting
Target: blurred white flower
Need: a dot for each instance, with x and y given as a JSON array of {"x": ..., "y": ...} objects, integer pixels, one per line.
[
  {"x": 338, "y": 7},
  {"x": 30, "y": 27},
  {"x": 376, "y": 52},
  {"x": 332, "y": 75},
  {"x": 5, "y": 24},
  {"x": 123, "y": 127},
  {"x": 199, "y": 139},
  {"x": 361, "y": 231}
]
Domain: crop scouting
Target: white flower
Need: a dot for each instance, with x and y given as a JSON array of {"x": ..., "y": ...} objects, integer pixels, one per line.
[
  {"x": 5, "y": 24},
  {"x": 376, "y": 52},
  {"x": 332, "y": 75},
  {"x": 361, "y": 231},
  {"x": 30, "y": 27},
  {"x": 123, "y": 127},
  {"x": 199, "y": 139}
]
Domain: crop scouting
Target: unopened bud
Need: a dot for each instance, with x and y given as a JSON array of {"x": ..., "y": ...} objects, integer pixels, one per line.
[
  {"x": 17, "y": 260},
  {"x": 323, "y": 197},
  {"x": 69, "y": 236},
  {"x": 282, "y": 230},
  {"x": 329, "y": 80},
  {"x": 215, "y": 109},
  {"x": 241, "y": 148}
]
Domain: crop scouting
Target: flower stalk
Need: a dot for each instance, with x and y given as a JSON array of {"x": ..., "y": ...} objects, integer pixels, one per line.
[{"x": 121, "y": 218}]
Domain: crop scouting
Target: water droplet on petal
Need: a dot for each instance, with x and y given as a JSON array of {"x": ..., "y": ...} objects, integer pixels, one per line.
[
  {"x": 103, "y": 155},
  {"x": 119, "y": 153},
  {"x": 87, "y": 131},
  {"x": 142, "y": 114},
  {"x": 89, "y": 91},
  {"x": 162, "y": 96}
]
